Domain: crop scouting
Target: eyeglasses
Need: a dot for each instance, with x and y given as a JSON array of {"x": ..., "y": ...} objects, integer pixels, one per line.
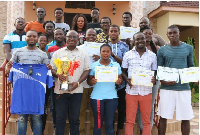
[
  {"x": 72, "y": 37},
  {"x": 105, "y": 23}
]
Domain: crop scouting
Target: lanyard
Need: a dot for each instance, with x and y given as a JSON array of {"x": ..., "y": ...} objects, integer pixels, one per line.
[{"x": 115, "y": 48}]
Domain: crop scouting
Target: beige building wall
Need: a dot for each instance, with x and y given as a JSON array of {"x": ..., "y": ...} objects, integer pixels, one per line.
[
  {"x": 184, "y": 19},
  {"x": 192, "y": 33}
]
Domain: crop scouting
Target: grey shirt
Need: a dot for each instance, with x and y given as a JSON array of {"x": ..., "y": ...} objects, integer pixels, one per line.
[
  {"x": 25, "y": 56},
  {"x": 63, "y": 26}
]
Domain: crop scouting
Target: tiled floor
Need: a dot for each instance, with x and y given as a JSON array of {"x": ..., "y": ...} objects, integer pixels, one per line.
[{"x": 194, "y": 124}]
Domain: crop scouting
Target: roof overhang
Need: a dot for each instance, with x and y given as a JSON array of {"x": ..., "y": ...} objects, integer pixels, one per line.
[{"x": 164, "y": 9}]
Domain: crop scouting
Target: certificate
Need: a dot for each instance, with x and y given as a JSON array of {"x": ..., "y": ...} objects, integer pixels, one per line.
[
  {"x": 92, "y": 48},
  {"x": 127, "y": 32},
  {"x": 142, "y": 77},
  {"x": 168, "y": 74},
  {"x": 106, "y": 74},
  {"x": 189, "y": 74}
]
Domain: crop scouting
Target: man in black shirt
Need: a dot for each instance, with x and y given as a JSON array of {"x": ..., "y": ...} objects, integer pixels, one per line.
[{"x": 95, "y": 24}]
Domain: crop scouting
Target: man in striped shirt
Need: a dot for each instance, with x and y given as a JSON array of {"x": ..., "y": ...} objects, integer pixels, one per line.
[{"x": 173, "y": 95}]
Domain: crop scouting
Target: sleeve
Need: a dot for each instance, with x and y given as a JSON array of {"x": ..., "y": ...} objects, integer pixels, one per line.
[
  {"x": 160, "y": 58},
  {"x": 49, "y": 80},
  {"x": 125, "y": 61},
  {"x": 154, "y": 64},
  {"x": 92, "y": 71},
  {"x": 27, "y": 28},
  {"x": 14, "y": 56},
  {"x": 45, "y": 59},
  {"x": 52, "y": 59},
  {"x": 125, "y": 49},
  {"x": 86, "y": 62},
  {"x": 190, "y": 57},
  {"x": 6, "y": 40}
]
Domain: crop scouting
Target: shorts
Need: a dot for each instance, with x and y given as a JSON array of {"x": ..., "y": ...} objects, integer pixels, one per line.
[{"x": 171, "y": 100}]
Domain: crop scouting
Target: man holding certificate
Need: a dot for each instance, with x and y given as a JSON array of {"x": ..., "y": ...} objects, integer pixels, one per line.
[
  {"x": 103, "y": 76},
  {"x": 138, "y": 63},
  {"x": 175, "y": 95},
  {"x": 68, "y": 87}
]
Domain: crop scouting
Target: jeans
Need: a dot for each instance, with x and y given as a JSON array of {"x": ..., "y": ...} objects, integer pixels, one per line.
[
  {"x": 67, "y": 104},
  {"x": 121, "y": 108},
  {"x": 154, "y": 94},
  {"x": 52, "y": 106},
  {"x": 22, "y": 124},
  {"x": 100, "y": 108}
]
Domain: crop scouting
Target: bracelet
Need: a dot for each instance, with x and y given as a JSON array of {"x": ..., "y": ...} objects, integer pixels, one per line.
[{"x": 78, "y": 84}]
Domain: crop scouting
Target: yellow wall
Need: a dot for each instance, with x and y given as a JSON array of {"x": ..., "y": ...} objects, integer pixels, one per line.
[
  {"x": 184, "y": 19},
  {"x": 192, "y": 33},
  {"x": 104, "y": 7},
  {"x": 162, "y": 24}
]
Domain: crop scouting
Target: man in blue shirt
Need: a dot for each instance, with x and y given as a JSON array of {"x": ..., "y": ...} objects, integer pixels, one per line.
[{"x": 15, "y": 39}]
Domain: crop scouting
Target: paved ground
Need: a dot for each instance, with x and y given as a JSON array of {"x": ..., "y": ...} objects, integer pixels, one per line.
[{"x": 194, "y": 124}]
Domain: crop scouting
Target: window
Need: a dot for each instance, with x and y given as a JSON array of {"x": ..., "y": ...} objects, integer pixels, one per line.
[{"x": 80, "y": 4}]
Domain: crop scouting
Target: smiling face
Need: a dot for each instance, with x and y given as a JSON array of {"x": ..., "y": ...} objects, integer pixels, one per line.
[
  {"x": 72, "y": 38},
  {"x": 31, "y": 38},
  {"x": 148, "y": 34},
  {"x": 80, "y": 23},
  {"x": 105, "y": 24},
  {"x": 173, "y": 34},
  {"x": 105, "y": 52},
  {"x": 144, "y": 22},
  {"x": 139, "y": 40},
  {"x": 49, "y": 27},
  {"x": 42, "y": 41},
  {"x": 91, "y": 35}
]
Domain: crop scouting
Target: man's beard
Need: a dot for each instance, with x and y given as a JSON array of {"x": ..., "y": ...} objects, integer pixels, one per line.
[
  {"x": 31, "y": 45},
  {"x": 143, "y": 28}
]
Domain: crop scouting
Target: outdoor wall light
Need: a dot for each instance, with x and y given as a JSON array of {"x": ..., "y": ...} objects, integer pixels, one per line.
[
  {"x": 34, "y": 5},
  {"x": 114, "y": 9}
]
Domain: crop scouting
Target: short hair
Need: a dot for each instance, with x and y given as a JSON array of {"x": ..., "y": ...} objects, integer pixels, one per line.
[
  {"x": 44, "y": 35},
  {"x": 116, "y": 26},
  {"x": 19, "y": 18},
  {"x": 137, "y": 34},
  {"x": 58, "y": 28},
  {"x": 127, "y": 13},
  {"x": 172, "y": 27},
  {"x": 75, "y": 19},
  {"x": 107, "y": 45},
  {"x": 105, "y": 18},
  {"x": 91, "y": 29},
  {"x": 58, "y": 8},
  {"x": 48, "y": 22},
  {"x": 42, "y": 8},
  {"x": 32, "y": 31},
  {"x": 94, "y": 8}
]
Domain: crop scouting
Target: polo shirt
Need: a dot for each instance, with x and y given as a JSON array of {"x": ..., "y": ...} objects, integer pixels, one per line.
[
  {"x": 104, "y": 90},
  {"x": 16, "y": 41}
]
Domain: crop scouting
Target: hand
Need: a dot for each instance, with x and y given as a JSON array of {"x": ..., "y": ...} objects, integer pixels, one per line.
[
  {"x": 74, "y": 86},
  {"x": 62, "y": 78},
  {"x": 168, "y": 83},
  {"x": 9, "y": 66},
  {"x": 95, "y": 57},
  {"x": 153, "y": 80},
  {"x": 94, "y": 81},
  {"x": 119, "y": 81},
  {"x": 129, "y": 83},
  {"x": 49, "y": 66}
]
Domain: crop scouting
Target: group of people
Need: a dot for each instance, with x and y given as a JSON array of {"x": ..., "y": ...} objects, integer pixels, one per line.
[{"x": 42, "y": 42}]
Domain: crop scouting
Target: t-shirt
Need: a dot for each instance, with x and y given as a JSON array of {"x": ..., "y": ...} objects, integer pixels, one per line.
[
  {"x": 16, "y": 41},
  {"x": 53, "y": 43},
  {"x": 54, "y": 48},
  {"x": 81, "y": 35},
  {"x": 176, "y": 57},
  {"x": 28, "y": 95},
  {"x": 96, "y": 27},
  {"x": 36, "y": 26},
  {"x": 63, "y": 25},
  {"x": 25, "y": 56},
  {"x": 104, "y": 90}
]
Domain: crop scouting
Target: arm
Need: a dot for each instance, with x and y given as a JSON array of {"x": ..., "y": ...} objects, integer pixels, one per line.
[
  {"x": 91, "y": 80},
  {"x": 119, "y": 81},
  {"x": 117, "y": 58},
  {"x": 7, "y": 51},
  {"x": 125, "y": 76},
  {"x": 190, "y": 57}
]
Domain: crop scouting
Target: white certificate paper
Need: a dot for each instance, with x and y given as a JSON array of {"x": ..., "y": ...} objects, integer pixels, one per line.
[
  {"x": 142, "y": 77},
  {"x": 92, "y": 48},
  {"x": 189, "y": 74},
  {"x": 106, "y": 74},
  {"x": 167, "y": 74},
  {"x": 127, "y": 32}
]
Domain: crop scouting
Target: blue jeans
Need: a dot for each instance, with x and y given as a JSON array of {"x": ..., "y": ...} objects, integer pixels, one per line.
[
  {"x": 101, "y": 107},
  {"x": 22, "y": 124},
  {"x": 154, "y": 94},
  {"x": 67, "y": 104}
]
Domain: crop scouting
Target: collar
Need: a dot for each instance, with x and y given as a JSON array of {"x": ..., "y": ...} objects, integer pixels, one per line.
[
  {"x": 111, "y": 62},
  {"x": 71, "y": 50},
  {"x": 134, "y": 49},
  {"x": 15, "y": 32}
]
